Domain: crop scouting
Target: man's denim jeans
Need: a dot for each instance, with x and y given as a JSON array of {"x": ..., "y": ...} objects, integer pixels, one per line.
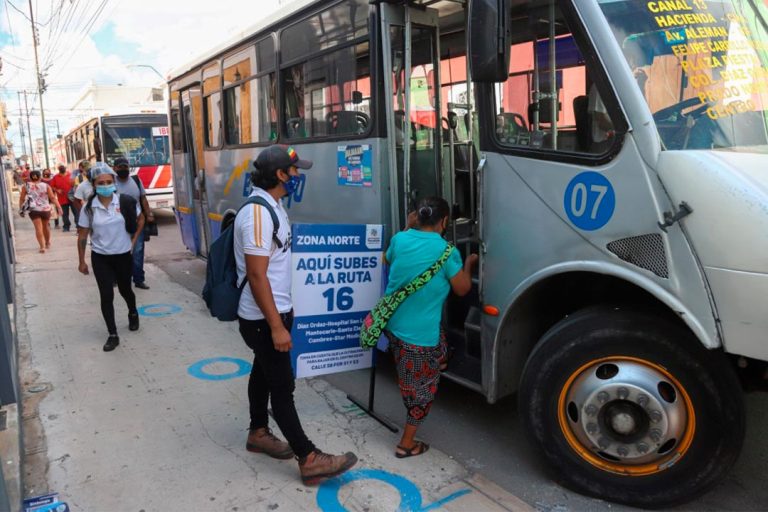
[{"x": 138, "y": 260}]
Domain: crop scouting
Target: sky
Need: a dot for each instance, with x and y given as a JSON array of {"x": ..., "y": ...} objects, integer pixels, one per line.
[{"x": 98, "y": 40}]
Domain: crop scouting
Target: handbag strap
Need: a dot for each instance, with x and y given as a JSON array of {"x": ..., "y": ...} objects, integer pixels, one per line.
[{"x": 422, "y": 279}]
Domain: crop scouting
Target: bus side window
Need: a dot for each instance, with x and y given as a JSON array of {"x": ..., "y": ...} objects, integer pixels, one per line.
[
  {"x": 212, "y": 105},
  {"x": 327, "y": 94},
  {"x": 550, "y": 107}
]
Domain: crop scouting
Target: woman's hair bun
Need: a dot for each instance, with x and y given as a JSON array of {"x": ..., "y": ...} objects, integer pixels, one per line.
[{"x": 425, "y": 212}]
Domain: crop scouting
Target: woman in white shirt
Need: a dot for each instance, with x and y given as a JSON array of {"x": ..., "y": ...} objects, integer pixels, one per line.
[{"x": 114, "y": 222}]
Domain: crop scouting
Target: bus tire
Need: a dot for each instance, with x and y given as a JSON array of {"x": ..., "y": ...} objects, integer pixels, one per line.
[{"x": 630, "y": 407}]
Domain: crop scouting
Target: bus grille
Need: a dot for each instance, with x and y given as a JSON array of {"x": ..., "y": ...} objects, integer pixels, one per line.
[{"x": 644, "y": 251}]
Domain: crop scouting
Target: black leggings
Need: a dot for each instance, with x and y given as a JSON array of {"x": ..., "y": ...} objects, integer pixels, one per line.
[
  {"x": 108, "y": 270},
  {"x": 272, "y": 380}
]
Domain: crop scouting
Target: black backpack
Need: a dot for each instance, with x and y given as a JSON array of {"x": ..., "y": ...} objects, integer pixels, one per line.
[
  {"x": 222, "y": 291},
  {"x": 127, "y": 209}
]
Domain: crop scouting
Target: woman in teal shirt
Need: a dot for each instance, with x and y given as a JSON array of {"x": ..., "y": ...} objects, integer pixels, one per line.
[{"x": 414, "y": 329}]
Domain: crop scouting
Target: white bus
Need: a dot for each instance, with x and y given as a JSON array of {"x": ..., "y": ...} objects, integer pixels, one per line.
[
  {"x": 142, "y": 138},
  {"x": 607, "y": 158}
]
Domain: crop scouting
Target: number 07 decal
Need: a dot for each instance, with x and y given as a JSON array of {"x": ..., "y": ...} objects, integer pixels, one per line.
[{"x": 589, "y": 201}]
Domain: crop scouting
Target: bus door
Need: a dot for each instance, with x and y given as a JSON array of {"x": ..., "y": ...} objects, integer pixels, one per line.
[
  {"x": 192, "y": 120},
  {"x": 410, "y": 40}
]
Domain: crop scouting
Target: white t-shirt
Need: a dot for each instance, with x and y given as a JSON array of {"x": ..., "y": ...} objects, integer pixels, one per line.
[
  {"x": 253, "y": 235},
  {"x": 108, "y": 234},
  {"x": 84, "y": 191}
]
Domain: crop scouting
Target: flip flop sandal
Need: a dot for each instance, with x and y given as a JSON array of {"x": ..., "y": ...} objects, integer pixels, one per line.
[{"x": 417, "y": 449}]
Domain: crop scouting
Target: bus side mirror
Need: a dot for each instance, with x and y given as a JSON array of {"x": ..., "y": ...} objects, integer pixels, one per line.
[{"x": 489, "y": 40}]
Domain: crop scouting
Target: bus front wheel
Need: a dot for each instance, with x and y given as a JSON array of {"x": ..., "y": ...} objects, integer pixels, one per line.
[{"x": 629, "y": 407}]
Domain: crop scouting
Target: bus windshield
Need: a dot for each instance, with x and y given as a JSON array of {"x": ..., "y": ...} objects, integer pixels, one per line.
[
  {"x": 702, "y": 67},
  {"x": 141, "y": 145}
]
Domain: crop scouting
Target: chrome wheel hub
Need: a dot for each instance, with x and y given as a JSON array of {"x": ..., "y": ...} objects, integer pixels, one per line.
[{"x": 625, "y": 411}]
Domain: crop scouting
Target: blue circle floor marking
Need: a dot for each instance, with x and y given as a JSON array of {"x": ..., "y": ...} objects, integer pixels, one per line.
[
  {"x": 198, "y": 369},
  {"x": 410, "y": 496},
  {"x": 159, "y": 309}
]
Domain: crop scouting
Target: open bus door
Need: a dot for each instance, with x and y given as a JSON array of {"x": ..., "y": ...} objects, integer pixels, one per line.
[
  {"x": 411, "y": 50},
  {"x": 411, "y": 53},
  {"x": 192, "y": 119}
]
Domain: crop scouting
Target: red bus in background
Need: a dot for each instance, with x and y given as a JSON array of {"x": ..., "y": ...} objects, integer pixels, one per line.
[{"x": 141, "y": 138}]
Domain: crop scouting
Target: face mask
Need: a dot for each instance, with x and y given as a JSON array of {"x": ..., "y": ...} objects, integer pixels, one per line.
[
  {"x": 47, "y": 177},
  {"x": 34, "y": 177},
  {"x": 62, "y": 171},
  {"x": 123, "y": 173},
  {"x": 291, "y": 185},
  {"x": 105, "y": 190}
]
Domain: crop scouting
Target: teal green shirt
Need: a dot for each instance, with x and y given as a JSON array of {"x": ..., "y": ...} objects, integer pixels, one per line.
[{"x": 417, "y": 320}]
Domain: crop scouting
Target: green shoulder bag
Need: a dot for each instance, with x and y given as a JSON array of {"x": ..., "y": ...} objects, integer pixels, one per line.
[{"x": 376, "y": 321}]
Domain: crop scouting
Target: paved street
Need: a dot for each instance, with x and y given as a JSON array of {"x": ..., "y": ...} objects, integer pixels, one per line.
[
  {"x": 155, "y": 426},
  {"x": 133, "y": 430}
]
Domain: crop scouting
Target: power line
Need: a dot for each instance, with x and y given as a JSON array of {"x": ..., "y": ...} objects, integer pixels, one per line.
[
  {"x": 56, "y": 36},
  {"x": 18, "y": 10},
  {"x": 89, "y": 24},
  {"x": 10, "y": 27},
  {"x": 60, "y": 45}
]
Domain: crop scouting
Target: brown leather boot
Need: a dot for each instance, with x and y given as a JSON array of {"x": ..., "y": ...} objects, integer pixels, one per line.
[
  {"x": 262, "y": 440},
  {"x": 318, "y": 466}
]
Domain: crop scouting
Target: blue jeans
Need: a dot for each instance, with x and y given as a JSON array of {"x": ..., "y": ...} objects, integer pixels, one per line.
[{"x": 138, "y": 260}]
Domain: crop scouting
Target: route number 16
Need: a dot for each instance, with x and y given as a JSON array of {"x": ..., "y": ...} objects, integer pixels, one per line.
[{"x": 341, "y": 299}]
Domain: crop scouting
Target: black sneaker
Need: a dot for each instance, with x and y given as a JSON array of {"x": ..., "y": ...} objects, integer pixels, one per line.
[
  {"x": 112, "y": 342},
  {"x": 142, "y": 285},
  {"x": 133, "y": 321}
]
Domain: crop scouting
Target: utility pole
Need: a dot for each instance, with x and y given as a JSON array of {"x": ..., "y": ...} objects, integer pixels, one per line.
[
  {"x": 40, "y": 84},
  {"x": 21, "y": 128},
  {"x": 29, "y": 132}
]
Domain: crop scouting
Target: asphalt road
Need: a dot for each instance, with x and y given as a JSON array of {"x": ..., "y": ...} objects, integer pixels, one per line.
[{"x": 489, "y": 438}]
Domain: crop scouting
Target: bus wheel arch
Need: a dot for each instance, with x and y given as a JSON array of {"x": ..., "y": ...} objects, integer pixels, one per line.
[
  {"x": 630, "y": 407},
  {"x": 548, "y": 301}
]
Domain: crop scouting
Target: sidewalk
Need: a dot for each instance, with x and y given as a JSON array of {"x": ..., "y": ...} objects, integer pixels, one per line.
[{"x": 153, "y": 426}]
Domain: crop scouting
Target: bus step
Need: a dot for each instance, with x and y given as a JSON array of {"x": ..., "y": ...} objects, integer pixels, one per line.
[{"x": 472, "y": 331}]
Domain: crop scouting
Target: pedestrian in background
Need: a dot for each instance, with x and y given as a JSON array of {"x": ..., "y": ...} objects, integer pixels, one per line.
[
  {"x": 62, "y": 184},
  {"x": 114, "y": 222},
  {"x": 132, "y": 186},
  {"x": 81, "y": 186},
  {"x": 38, "y": 200},
  {"x": 47, "y": 177},
  {"x": 25, "y": 173},
  {"x": 419, "y": 349},
  {"x": 265, "y": 315}
]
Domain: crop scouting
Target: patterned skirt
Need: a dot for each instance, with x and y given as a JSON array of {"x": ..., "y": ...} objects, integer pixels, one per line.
[{"x": 418, "y": 374}]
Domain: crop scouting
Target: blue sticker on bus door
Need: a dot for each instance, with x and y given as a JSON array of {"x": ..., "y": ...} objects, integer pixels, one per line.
[{"x": 589, "y": 201}]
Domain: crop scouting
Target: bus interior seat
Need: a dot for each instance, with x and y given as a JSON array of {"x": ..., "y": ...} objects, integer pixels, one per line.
[
  {"x": 583, "y": 128},
  {"x": 346, "y": 122}
]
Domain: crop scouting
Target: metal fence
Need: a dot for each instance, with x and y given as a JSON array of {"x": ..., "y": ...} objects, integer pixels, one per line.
[{"x": 9, "y": 374}]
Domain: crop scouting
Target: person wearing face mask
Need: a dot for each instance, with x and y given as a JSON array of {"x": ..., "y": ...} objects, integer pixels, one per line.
[
  {"x": 82, "y": 186},
  {"x": 419, "y": 350},
  {"x": 38, "y": 199},
  {"x": 62, "y": 184},
  {"x": 132, "y": 186},
  {"x": 265, "y": 316},
  {"x": 114, "y": 222}
]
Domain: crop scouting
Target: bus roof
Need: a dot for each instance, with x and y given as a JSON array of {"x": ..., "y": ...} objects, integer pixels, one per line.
[{"x": 237, "y": 38}]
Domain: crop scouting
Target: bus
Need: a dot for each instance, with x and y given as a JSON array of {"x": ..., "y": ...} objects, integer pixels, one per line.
[
  {"x": 141, "y": 138},
  {"x": 606, "y": 158}
]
